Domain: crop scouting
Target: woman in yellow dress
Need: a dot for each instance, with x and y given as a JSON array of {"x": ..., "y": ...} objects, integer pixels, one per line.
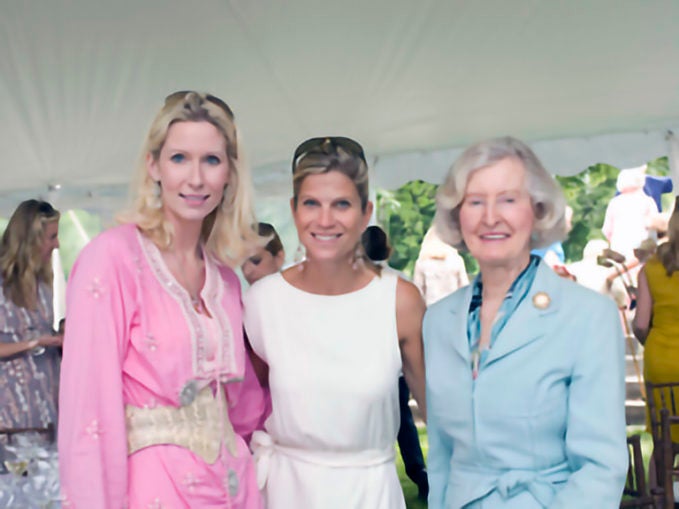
[{"x": 655, "y": 323}]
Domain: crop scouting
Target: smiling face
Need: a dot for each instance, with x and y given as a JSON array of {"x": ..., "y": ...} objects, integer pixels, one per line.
[
  {"x": 328, "y": 216},
  {"x": 192, "y": 169},
  {"x": 496, "y": 215}
]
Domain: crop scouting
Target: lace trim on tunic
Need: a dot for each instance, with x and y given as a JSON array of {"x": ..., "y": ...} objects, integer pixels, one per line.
[{"x": 212, "y": 294}]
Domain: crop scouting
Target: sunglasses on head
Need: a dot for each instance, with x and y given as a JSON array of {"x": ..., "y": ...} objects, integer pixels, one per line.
[
  {"x": 181, "y": 94},
  {"x": 45, "y": 208},
  {"x": 175, "y": 97},
  {"x": 316, "y": 145}
]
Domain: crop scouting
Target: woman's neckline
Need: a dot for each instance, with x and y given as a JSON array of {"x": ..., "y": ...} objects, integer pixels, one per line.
[
  {"x": 163, "y": 271},
  {"x": 371, "y": 282}
]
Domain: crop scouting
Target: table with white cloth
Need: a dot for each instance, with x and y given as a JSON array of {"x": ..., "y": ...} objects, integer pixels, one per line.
[{"x": 30, "y": 474}]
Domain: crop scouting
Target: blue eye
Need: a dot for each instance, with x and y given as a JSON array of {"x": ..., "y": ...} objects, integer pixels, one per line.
[
  {"x": 343, "y": 204},
  {"x": 177, "y": 158},
  {"x": 309, "y": 202},
  {"x": 213, "y": 160}
]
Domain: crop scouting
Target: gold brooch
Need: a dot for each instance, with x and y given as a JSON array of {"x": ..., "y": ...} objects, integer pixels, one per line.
[{"x": 541, "y": 300}]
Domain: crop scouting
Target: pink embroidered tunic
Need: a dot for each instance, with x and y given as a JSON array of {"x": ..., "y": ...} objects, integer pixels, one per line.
[{"x": 134, "y": 341}]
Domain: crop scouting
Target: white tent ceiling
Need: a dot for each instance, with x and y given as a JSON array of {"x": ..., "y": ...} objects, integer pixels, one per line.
[{"x": 584, "y": 81}]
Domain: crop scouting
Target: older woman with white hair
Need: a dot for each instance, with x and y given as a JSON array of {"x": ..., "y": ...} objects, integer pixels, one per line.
[{"x": 525, "y": 369}]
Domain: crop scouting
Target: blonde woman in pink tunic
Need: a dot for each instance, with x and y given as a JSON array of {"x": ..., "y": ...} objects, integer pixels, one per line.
[{"x": 152, "y": 398}]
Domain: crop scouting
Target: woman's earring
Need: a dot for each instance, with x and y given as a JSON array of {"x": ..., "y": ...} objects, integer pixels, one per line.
[
  {"x": 156, "y": 202},
  {"x": 300, "y": 256},
  {"x": 358, "y": 257}
]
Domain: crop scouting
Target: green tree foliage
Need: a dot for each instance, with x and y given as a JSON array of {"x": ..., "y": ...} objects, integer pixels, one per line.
[
  {"x": 406, "y": 214},
  {"x": 588, "y": 194}
]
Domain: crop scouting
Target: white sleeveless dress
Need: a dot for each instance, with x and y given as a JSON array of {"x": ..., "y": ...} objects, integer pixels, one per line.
[{"x": 334, "y": 364}]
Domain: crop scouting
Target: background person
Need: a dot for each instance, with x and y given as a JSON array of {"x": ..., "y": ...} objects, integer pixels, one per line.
[
  {"x": 439, "y": 269},
  {"x": 656, "y": 323},
  {"x": 266, "y": 260},
  {"x": 335, "y": 335},
  {"x": 149, "y": 386},
  {"x": 603, "y": 280},
  {"x": 29, "y": 347},
  {"x": 630, "y": 214},
  {"x": 525, "y": 391},
  {"x": 377, "y": 249}
]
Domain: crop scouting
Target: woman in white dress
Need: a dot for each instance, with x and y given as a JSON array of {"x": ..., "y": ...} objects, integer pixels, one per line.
[{"x": 335, "y": 333}]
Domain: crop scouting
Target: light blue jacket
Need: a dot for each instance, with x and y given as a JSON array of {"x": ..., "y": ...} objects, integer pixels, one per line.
[{"x": 543, "y": 425}]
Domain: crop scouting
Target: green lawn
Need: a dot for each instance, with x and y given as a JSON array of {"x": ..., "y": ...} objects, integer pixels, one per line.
[
  {"x": 410, "y": 490},
  {"x": 646, "y": 443}
]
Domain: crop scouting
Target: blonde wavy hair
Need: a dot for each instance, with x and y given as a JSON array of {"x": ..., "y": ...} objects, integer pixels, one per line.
[
  {"x": 229, "y": 232},
  {"x": 21, "y": 263},
  {"x": 547, "y": 199}
]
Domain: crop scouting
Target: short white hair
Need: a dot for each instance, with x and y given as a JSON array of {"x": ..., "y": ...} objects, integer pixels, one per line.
[
  {"x": 631, "y": 179},
  {"x": 546, "y": 196}
]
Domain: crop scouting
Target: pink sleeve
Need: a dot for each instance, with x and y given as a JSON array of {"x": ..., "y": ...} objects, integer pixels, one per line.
[
  {"x": 250, "y": 403},
  {"x": 92, "y": 438}
]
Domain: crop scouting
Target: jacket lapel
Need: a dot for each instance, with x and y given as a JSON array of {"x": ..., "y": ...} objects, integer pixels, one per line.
[
  {"x": 531, "y": 317},
  {"x": 459, "y": 310}
]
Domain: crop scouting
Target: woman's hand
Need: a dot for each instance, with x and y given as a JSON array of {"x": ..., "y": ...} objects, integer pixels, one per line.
[
  {"x": 51, "y": 340},
  {"x": 9, "y": 350}
]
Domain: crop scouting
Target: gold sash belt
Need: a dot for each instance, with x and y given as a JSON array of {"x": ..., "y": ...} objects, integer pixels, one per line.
[{"x": 201, "y": 426}]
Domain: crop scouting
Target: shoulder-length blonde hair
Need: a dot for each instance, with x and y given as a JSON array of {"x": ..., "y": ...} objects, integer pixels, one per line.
[
  {"x": 21, "y": 262},
  {"x": 229, "y": 231},
  {"x": 546, "y": 196}
]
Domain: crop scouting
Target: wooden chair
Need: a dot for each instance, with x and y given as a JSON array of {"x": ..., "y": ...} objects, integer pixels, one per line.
[
  {"x": 48, "y": 432},
  {"x": 662, "y": 400},
  {"x": 637, "y": 494},
  {"x": 669, "y": 470}
]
